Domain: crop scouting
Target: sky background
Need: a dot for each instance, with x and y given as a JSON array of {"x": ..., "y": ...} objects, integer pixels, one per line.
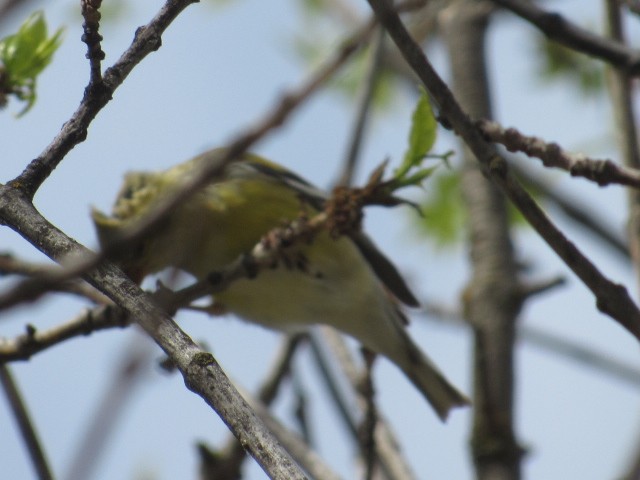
[{"x": 221, "y": 68}]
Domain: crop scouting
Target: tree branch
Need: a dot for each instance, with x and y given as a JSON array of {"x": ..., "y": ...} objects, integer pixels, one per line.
[
  {"x": 118, "y": 391},
  {"x": 563, "y": 347},
  {"x": 622, "y": 100},
  {"x": 225, "y": 463},
  {"x": 576, "y": 211},
  {"x": 33, "y": 341},
  {"x": 363, "y": 104},
  {"x": 201, "y": 372},
  {"x": 388, "y": 456},
  {"x": 92, "y": 37},
  {"x": 29, "y": 435},
  {"x": 561, "y": 30},
  {"x": 493, "y": 298},
  {"x": 74, "y": 131},
  {"x": 603, "y": 172},
  {"x": 611, "y": 298}
]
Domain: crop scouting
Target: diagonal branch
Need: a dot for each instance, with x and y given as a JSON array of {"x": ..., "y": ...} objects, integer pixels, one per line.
[
  {"x": 561, "y": 30},
  {"x": 24, "y": 423},
  {"x": 74, "y": 131},
  {"x": 576, "y": 211},
  {"x": 363, "y": 105},
  {"x": 611, "y": 298},
  {"x": 201, "y": 372}
]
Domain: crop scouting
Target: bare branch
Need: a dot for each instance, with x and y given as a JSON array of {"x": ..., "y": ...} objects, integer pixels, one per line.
[
  {"x": 388, "y": 455},
  {"x": 91, "y": 36},
  {"x": 226, "y": 462},
  {"x": 74, "y": 131},
  {"x": 603, "y": 172},
  {"x": 128, "y": 374},
  {"x": 11, "y": 265},
  {"x": 201, "y": 372},
  {"x": 576, "y": 211},
  {"x": 363, "y": 104},
  {"x": 622, "y": 102},
  {"x": 530, "y": 289},
  {"x": 29, "y": 435},
  {"x": 34, "y": 341},
  {"x": 561, "y": 30},
  {"x": 564, "y": 347}
]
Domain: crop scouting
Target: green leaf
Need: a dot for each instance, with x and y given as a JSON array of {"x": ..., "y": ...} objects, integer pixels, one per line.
[
  {"x": 421, "y": 137},
  {"x": 444, "y": 215},
  {"x": 24, "y": 55},
  {"x": 443, "y": 212}
]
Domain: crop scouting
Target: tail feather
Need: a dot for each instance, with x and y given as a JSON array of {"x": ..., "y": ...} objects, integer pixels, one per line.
[
  {"x": 426, "y": 377},
  {"x": 433, "y": 385}
]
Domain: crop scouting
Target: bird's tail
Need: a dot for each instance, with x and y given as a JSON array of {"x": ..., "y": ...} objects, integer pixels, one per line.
[
  {"x": 422, "y": 372},
  {"x": 428, "y": 379}
]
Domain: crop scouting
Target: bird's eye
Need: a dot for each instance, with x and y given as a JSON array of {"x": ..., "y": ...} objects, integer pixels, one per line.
[{"x": 127, "y": 193}]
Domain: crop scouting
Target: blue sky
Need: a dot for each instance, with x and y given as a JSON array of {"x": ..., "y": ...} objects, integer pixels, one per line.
[{"x": 219, "y": 69}]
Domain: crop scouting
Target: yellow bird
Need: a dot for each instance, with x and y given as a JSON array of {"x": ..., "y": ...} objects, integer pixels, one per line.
[{"x": 344, "y": 282}]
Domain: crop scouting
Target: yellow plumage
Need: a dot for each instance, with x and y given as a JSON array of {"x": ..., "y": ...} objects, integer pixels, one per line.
[{"x": 343, "y": 282}]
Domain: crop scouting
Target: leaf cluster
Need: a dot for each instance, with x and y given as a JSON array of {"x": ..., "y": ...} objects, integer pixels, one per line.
[{"x": 24, "y": 55}]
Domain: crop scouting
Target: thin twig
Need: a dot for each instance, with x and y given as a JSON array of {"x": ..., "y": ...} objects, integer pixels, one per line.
[
  {"x": 601, "y": 171},
  {"x": 10, "y": 265},
  {"x": 363, "y": 104},
  {"x": 576, "y": 211},
  {"x": 537, "y": 288},
  {"x": 33, "y": 341},
  {"x": 29, "y": 435},
  {"x": 561, "y": 346},
  {"x": 91, "y": 36},
  {"x": 118, "y": 392},
  {"x": 389, "y": 457},
  {"x": 74, "y": 131},
  {"x": 340, "y": 400},
  {"x": 561, "y": 30}
]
